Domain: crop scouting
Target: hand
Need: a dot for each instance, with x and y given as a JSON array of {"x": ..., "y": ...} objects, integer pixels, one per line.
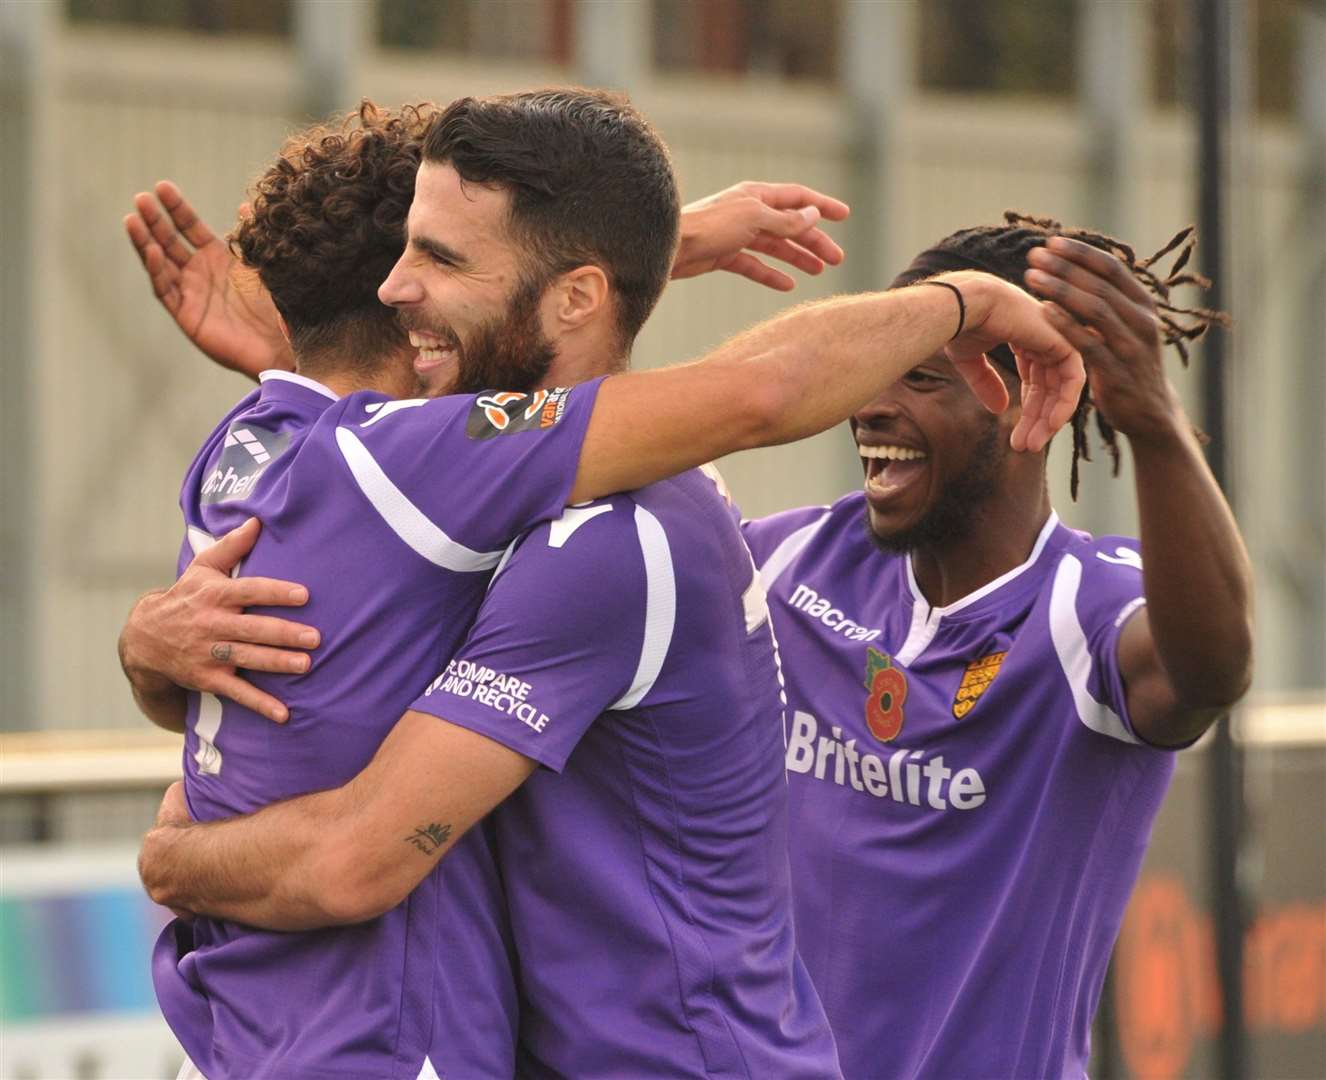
[
  {"x": 173, "y": 813},
  {"x": 221, "y": 307},
  {"x": 1110, "y": 317},
  {"x": 174, "y": 809},
  {"x": 195, "y": 634},
  {"x": 1050, "y": 367},
  {"x": 779, "y": 220}
]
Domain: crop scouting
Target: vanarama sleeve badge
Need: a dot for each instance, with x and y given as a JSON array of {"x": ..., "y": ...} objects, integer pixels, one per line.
[
  {"x": 506, "y": 412},
  {"x": 976, "y": 681},
  {"x": 887, "y": 690}
]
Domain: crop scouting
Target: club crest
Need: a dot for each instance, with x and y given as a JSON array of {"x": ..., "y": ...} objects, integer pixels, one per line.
[
  {"x": 976, "y": 681},
  {"x": 886, "y": 688}
]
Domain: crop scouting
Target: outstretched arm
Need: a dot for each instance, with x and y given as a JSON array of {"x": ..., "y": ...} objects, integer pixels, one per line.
[
  {"x": 224, "y": 310},
  {"x": 812, "y": 367},
  {"x": 732, "y": 228},
  {"x": 1187, "y": 656},
  {"x": 339, "y": 856}
]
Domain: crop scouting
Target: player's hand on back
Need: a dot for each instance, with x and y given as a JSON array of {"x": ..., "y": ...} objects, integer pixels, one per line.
[
  {"x": 221, "y": 307},
  {"x": 1106, "y": 313},
  {"x": 730, "y": 229},
  {"x": 197, "y": 635},
  {"x": 998, "y": 312}
]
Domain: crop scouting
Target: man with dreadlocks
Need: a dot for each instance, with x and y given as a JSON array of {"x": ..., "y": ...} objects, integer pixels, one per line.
[{"x": 982, "y": 701}]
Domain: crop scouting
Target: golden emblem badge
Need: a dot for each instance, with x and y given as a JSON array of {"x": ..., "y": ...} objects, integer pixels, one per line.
[{"x": 976, "y": 681}]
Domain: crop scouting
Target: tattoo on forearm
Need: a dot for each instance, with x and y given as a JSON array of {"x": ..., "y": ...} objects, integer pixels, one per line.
[
  {"x": 221, "y": 651},
  {"x": 429, "y": 838}
]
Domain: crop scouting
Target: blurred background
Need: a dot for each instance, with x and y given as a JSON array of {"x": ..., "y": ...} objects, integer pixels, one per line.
[{"x": 926, "y": 115}]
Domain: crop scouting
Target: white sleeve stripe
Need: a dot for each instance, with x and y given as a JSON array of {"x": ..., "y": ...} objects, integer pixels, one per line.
[
  {"x": 199, "y": 541},
  {"x": 660, "y": 607},
  {"x": 1070, "y": 644},
  {"x": 755, "y": 603},
  {"x": 781, "y": 557},
  {"x": 405, "y": 519}
]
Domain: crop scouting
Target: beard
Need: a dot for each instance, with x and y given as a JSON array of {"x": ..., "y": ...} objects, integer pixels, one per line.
[
  {"x": 960, "y": 506},
  {"x": 509, "y": 352}
]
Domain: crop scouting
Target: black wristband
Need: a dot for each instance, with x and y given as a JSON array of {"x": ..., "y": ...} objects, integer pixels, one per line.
[{"x": 962, "y": 307}]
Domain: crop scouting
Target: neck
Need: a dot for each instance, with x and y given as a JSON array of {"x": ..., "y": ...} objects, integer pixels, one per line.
[
  {"x": 393, "y": 379},
  {"x": 1000, "y": 539},
  {"x": 585, "y": 357}
]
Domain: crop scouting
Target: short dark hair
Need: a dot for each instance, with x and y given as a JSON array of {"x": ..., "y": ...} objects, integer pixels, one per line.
[
  {"x": 327, "y": 225},
  {"x": 1002, "y": 250},
  {"x": 590, "y": 183}
]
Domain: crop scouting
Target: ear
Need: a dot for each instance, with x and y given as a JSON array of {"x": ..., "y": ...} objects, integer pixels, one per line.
[
  {"x": 580, "y": 297},
  {"x": 285, "y": 330}
]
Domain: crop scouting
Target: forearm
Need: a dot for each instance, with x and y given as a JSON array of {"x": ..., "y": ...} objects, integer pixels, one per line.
[
  {"x": 821, "y": 362},
  {"x": 788, "y": 378},
  {"x": 279, "y": 868},
  {"x": 1197, "y": 576}
]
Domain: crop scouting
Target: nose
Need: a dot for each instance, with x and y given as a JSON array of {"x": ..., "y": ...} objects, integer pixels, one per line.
[
  {"x": 881, "y": 410},
  {"x": 402, "y": 287}
]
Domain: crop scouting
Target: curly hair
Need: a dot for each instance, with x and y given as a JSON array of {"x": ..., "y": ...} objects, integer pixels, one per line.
[
  {"x": 328, "y": 223},
  {"x": 1002, "y": 250}
]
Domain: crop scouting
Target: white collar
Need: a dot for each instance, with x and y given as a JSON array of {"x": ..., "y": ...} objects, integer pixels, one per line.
[
  {"x": 1047, "y": 529},
  {"x": 298, "y": 380}
]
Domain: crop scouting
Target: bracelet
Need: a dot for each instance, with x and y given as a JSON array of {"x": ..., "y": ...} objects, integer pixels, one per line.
[{"x": 962, "y": 307}]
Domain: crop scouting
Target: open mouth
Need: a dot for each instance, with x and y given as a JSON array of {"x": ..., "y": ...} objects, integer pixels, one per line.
[
  {"x": 890, "y": 468},
  {"x": 434, "y": 351}
]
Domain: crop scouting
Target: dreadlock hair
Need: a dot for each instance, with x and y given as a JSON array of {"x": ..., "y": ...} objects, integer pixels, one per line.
[{"x": 1002, "y": 250}]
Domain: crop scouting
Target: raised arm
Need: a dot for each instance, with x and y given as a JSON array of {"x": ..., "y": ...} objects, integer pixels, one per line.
[
  {"x": 219, "y": 305},
  {"x": 1187, "y": 656},
  {"x": 729, "y": 230},
  {"x": 803, "y": 371},
  {"x": 224, "y": 310}
]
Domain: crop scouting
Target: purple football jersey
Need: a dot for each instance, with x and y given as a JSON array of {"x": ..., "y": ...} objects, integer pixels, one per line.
[
  {"x": 969, "y": 801},
  {"x": 394, "y": 514},
  {"x": 626, "y": 647}
]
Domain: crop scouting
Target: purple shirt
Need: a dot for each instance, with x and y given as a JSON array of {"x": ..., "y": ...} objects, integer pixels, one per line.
[
  {"x": 626, "y": 647},
  {"x": 394, "y": 514},
  {"x": 969, "y": 801}
]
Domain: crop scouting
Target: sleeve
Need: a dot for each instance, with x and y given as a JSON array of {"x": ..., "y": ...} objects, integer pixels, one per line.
[
  {"x": 1098, "y": 588},
  {"x": 559, "y": 638},
  {"x": 458, "y": 478},
  {"x": 765, "y": 535}
]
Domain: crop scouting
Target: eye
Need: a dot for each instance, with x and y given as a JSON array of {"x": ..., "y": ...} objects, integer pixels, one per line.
[{"x": 920, "y": 379}]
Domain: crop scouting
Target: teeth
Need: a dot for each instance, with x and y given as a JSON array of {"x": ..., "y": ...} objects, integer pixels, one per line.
[
  {"x": 414, "y": 339},
  {"x": 890, "y": 453}
]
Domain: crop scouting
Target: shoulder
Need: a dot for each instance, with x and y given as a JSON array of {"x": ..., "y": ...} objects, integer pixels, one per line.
[
  {"x": 778, "y": 540},
  {"x": 1098, "y": 568}
]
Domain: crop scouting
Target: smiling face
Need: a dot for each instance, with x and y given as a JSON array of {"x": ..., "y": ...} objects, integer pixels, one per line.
[
  {"x": 469, "y": 297},
  {"x": 934, "y": 458}
]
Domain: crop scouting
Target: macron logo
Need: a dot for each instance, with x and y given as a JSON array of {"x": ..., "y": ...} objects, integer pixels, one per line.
[{"x": 807, "y": 600}]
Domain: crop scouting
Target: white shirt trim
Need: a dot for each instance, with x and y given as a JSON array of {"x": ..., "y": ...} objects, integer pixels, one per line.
[
  {"x": 660, "y": 607},
  {"x": 298, "y": 380},
  {"x": 926, "y": 619},
  {"x": 561, "y": 530},
  {"x": 781, "y": 557},
  {"x": 407, "y": 521},
  {"x": 1070, "y": 645}
]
